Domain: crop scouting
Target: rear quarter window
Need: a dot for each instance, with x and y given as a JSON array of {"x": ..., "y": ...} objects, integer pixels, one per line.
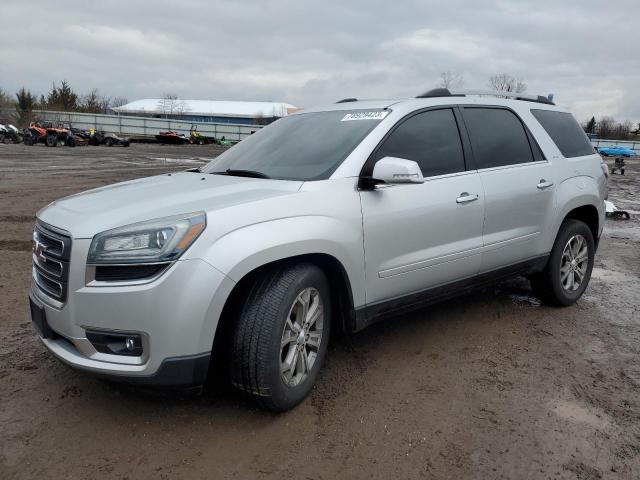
[{"x": 565, "y": 132}]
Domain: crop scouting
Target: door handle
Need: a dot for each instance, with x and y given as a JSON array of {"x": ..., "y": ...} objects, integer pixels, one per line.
[
  {"x": 544, "y": 184},
  {"x": 466, "y": 198}
]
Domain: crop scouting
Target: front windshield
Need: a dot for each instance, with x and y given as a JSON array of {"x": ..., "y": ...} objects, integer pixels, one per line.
[{"x": 308, "y": 146}]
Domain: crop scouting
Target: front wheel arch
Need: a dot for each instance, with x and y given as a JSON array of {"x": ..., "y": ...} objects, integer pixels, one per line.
[{"x": 341, "y": 299}]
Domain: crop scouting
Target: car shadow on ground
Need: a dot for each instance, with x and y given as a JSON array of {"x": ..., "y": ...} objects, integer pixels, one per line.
[{"x": 348, "y": 355}]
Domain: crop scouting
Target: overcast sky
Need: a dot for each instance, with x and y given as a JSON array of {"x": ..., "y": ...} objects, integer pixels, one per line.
[{"x": 586, "y": 52}]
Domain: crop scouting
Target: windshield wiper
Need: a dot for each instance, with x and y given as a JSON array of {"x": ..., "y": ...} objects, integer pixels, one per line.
[{"x": 243, "y": 173}]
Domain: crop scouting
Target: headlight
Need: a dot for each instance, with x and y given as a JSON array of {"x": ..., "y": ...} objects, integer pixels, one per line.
[{"x": 155, "y": 241}]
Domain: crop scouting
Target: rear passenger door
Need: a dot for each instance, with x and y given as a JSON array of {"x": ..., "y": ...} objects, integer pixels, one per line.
[
  {"x": 418, "y": 236},
  {"x": 518, "y": 186}
]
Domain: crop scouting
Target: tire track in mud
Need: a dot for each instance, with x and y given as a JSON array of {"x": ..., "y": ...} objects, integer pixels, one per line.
[
  {"x": 17, "y": 218},
  {"x": 16, "y": 245}
]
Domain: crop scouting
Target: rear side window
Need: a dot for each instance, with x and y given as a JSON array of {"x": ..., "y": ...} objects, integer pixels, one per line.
[
  {"x": 498, "y": 137},
  {"x": 565, "y": 132},
  {"x": 429, "y": 138}
]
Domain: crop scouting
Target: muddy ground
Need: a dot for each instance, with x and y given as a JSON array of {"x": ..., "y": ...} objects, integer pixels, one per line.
[{"x": 491, "y": 385}]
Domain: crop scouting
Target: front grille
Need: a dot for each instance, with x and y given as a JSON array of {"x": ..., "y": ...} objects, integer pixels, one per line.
[{"x": 51, "y": 254}]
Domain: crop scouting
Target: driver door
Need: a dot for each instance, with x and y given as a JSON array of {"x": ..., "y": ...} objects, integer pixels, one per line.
[{"x": 421, "y": 236}]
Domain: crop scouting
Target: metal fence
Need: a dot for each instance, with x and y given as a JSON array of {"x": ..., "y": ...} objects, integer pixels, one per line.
[
  {"x": 144, "y": 127},
  {"x": 632, "y": 144}
]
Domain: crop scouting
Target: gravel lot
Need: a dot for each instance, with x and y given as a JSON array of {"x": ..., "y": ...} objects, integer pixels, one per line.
[{"x": 490, "y": 385}]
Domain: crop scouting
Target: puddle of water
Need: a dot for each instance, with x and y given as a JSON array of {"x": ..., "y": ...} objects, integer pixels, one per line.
[{"x": 177, "y": 160}]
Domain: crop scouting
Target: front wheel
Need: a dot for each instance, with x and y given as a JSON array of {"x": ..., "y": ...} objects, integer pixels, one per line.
[
  {"x": 51, "y": 140},
  {"x": 281, "y": 336},
  {"x": 568, "y": 270}
]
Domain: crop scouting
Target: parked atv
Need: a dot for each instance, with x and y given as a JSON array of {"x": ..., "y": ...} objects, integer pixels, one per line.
[
  {"x": 49, "y": 135},
  {"x": 10, "y": 134},
  {"x": 100, "y": 137},
  {"x": 173, "y": 138}
]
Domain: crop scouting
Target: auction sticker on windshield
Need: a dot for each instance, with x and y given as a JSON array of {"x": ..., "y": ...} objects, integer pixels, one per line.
[{"x": 364, "y": 116}]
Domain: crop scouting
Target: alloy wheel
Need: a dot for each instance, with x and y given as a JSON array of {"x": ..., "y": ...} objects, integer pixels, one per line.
[
  {"x": 574, "y": 263},
  {"x": 301, "y": 337}
]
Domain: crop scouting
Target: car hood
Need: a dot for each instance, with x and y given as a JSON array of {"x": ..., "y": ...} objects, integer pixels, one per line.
[{"x": 87, "y": 213}]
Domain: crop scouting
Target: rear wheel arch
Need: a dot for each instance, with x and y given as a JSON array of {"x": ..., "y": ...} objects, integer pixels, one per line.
[{"x": 587, "y": 214}]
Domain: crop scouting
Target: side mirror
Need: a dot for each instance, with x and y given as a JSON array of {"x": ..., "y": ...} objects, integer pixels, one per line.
[{"x": 393, "y": 170}]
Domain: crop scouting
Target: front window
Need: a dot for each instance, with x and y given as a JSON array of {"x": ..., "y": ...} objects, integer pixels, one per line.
[{"x": 307, "y": 146}]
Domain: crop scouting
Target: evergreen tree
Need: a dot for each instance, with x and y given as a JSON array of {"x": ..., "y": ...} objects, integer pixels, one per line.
[{"x": 26, "y": 103}]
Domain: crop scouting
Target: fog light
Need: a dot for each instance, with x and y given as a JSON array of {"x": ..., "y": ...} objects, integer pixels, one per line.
[{"x": 129, "y": 344}]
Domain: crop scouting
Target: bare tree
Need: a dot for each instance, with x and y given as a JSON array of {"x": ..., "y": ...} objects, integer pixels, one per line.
[
  {"x": 118, "y": 102},
  {"x": 623, "y": 130},
  {"x": 170, "y": 104},
  {"x": 606, "y": 127},
  {"x": 503, "y": 82},
  {"x": 7, "y": 106},
  {"x": 93, "y": 102},
  {"x": 451, "y": 80}
]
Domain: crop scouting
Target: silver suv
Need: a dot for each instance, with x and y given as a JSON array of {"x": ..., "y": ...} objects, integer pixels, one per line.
[{"x": 327, "y": 220}]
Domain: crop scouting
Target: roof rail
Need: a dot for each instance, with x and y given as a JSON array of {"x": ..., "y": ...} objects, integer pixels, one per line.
[
  {"x": 346, "y": 100},
  {"x": 445, "y": 92}
]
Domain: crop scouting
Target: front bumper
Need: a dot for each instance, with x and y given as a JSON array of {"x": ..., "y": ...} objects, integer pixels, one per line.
[{"x": 176, "y": 316}]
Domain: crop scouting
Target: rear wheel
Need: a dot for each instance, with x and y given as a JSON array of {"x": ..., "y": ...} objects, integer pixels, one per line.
[
  {"x": 280, "y": 340},
  {"x": 568, "y": 270},
  {"x": 109, "y": 142}
]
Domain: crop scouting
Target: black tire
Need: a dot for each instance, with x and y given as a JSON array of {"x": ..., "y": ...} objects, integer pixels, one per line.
[
  {"x": 71, "y": 142},
  {"x": 51, "y": 140},
  {"x": 255, "y": 354},
  {"x": 547, "y": 284},
  {"x": 622, "y": 171},
  {"x": 6, "y": 140},
  {"x": 126, "y": 144},
  {"x": 109, "y": 142}
]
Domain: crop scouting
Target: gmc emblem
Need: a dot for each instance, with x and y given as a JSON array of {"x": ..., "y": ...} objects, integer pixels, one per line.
[{"x": 39, "y": 249}]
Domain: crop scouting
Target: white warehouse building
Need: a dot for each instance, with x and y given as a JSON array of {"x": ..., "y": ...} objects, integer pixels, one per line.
[{"x": 213, "y": 111}]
